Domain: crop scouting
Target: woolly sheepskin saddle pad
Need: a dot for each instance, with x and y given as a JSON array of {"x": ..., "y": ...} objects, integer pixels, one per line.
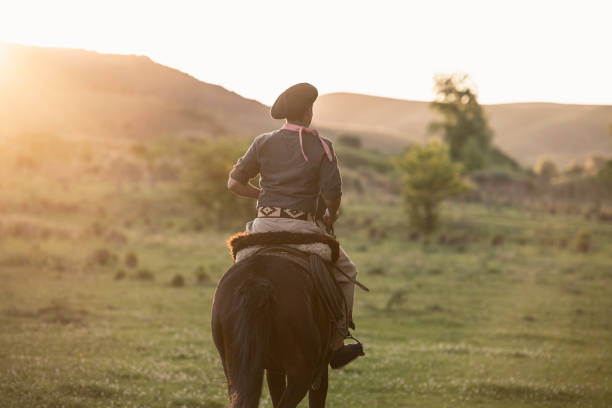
[{"x": 243, "y": 245}]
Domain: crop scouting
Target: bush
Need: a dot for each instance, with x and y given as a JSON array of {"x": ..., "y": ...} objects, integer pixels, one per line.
[
  {"x": 352, "y": 158},
  {"x": 583, "y": 241},
  {"x": 429, "y": 177},
  {"x": 131, "y": 260},
  {"x": 206, "y": 182},
  {"x": 497, "y": 240},
  {"x": 103, "y": 257},
  {"x": 178, "y": 281},
  {"x": 120, "y": 274},
  {"x": 202, "y": 276},
  {"x": 145, "y": 274},
  {"x": 546, "y": 169}
]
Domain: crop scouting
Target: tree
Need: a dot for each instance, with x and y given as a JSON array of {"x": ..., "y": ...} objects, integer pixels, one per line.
[
  {"x": 473, "y": 156},
  {"x": 594, "y": 163},
  {"x": 464, "y": 125},
  {"x": 206, "y": 182},
  {"x": 604, "y": 176},
  {"x": 546, "y": 169},
  {"x": 429, "y": 177},
  {"x": 574, "y": 169}
]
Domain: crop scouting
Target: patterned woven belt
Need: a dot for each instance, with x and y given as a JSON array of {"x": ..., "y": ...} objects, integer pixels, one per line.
[{"x": 278, "y": 212}]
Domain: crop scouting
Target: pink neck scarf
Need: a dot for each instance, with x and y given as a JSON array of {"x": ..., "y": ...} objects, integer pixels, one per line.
[{"x": 297, "y": 128}]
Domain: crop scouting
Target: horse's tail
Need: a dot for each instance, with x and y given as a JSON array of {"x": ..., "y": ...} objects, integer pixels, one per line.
[{"x": 251, "y": 337}]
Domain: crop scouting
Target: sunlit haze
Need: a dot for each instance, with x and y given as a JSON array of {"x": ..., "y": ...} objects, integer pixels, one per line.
[{"x": 557, "y": 51}]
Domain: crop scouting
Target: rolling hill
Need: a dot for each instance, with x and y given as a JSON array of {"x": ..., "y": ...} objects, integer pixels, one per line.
[
  {"x": 79, "y": 92},
  {"x": 86, "y": 94},
  {"x": 524, "y": 130}
]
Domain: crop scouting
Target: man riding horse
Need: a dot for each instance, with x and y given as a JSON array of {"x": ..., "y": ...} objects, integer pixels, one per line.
[{"x": 297, "y": 167}]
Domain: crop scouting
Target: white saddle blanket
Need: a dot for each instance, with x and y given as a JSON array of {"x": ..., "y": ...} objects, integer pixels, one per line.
[{"x": 318, "y": 248}]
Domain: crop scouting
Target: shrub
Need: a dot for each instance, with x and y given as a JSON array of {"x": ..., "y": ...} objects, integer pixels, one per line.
[
  {"x": 574, "y": 169},
  {"x": 178, "y": 281},
  {"x": 145, "y": 274},
  {"x": 583, "y": 241},
  {"x": 120, "y": 274},
  {"x": 363, "y": 158},
  {"x": 497, "y": 240},
  {"x": 103, "y": 257},
  {"x": 131, "y": 260},
  {"x": 546, "y": 169},
  {"x": 372, "y": 233},
  {"x": 206, "y": 183},
  {"x": 202, "y": 276},
  {"x": 429, "y": 177}
]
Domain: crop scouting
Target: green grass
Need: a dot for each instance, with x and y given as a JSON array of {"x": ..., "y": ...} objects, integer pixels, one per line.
[{"x": 461, "y": 322}]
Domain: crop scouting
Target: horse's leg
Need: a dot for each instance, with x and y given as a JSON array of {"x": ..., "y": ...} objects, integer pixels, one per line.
[
  {"x": 277, "y": 385},
  {"x": 297, "y": 387},
  {"x": 316, "y": 397}
]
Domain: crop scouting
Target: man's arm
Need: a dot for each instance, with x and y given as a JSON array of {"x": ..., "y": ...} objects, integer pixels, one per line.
[
  {"x": 247, "y": 190},
  {"x": 245, "y": 169},
  {"x": 331, "y": 187}
]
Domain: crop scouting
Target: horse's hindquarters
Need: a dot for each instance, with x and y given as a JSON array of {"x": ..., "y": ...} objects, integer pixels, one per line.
[{"x": 265, "y": 315}]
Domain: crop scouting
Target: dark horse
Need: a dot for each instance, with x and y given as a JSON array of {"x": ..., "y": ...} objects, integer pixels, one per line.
[{"x": 266, "y": 316}]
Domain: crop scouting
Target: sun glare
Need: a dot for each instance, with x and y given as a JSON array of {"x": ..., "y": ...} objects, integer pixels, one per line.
[{"x": 3, "y": 60}]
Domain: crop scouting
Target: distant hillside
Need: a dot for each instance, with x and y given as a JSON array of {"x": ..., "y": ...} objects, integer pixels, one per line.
[
  {"x": 524, "y": 130},
  {"x": 80, "y": 92},
  {"x": 87, "y": 94}
]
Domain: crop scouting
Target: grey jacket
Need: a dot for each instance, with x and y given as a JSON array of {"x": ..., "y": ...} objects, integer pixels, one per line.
[{"x": 287, "y": 180}]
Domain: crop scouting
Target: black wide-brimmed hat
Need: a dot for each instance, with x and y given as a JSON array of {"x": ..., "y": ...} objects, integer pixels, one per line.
[{"x": 294, "y": 101}]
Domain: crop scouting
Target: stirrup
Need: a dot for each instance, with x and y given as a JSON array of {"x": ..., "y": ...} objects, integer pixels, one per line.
[{"x": 346, "y": 354}]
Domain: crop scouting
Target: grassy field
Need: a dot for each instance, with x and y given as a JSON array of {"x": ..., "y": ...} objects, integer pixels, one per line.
[{"x": 501, "y": 309}]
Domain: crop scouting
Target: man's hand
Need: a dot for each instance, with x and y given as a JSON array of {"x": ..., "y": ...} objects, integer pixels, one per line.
[
  {"x": 330, "y": 218},
  {"x": 331, "y": 213}
]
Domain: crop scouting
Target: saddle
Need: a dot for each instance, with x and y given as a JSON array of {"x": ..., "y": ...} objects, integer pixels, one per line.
[
  {"x": 243, "y": 245},
  {"x": 314, "y": 253}
]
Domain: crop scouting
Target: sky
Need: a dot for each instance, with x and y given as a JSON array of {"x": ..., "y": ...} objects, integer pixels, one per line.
[{"x": 515, "y": 51}]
